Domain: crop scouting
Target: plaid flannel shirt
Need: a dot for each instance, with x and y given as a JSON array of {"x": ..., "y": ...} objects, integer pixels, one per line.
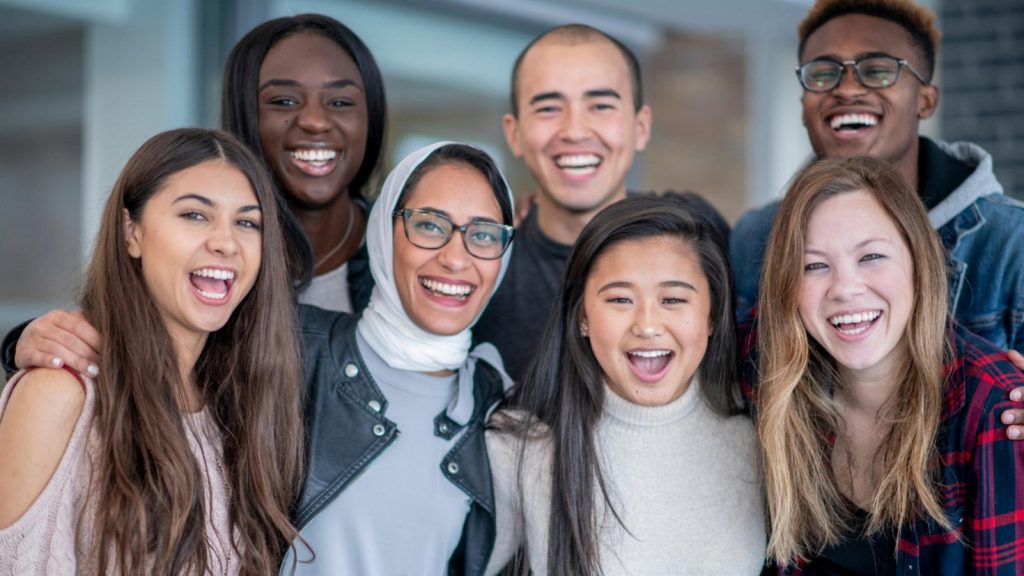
[{"x": 982, "y": 471}]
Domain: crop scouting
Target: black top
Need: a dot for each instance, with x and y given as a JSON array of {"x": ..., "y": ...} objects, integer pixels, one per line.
[{"x": 859, "y": 554}]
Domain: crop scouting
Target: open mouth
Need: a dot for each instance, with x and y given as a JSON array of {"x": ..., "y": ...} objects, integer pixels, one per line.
[
  {"x": 314, "y": 161},
  {"x": 854, "y": 324},
  {"x": 852, "y": 122},
  {"x": 212, "y": 284},
  {"x": 578, "y": 164},
  {"x": 446, "y": 290},
  {"x": 649, "y": 365}
]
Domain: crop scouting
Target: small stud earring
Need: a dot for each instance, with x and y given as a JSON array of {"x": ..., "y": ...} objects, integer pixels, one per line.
[{"x": 584, "y": 330}]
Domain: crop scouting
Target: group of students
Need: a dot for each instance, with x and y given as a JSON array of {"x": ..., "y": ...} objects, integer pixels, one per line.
[{"x": 216, "y": 429}]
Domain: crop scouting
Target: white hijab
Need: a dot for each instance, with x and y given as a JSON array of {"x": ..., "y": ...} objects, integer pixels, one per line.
[{"x": 385, "y": 325}]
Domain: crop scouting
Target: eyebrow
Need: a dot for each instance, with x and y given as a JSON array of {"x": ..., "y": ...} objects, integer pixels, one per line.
[
  {"x": 856, "y": 57},
  {"x": 858, "y": 246},
  {"x": 595, "y": 93},
  {"x": 344, "y": 83},
  {"x": 210, "y": 203},
  {"x": 472, "y": 219},
  {"x": 665, "y": 284}
]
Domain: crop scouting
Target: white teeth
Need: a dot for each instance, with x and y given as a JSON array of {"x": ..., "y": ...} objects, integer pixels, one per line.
[
  {"x": 854, "y": 318},
  {"x": 459, "y": 290},
  {"x": 855, "y": 120},
  {"x": 650, "y": 353},
  {"x": 215, "y": 273},
  {"x": 314, "y": 155},
  {"x": 213, "y": 295},
  {"x": 578, "y": 164}
]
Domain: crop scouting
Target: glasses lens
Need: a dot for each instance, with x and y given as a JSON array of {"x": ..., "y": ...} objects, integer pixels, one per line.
[
  {"x": 486, "y": 239},
  {"x": 427, "y": 230},
  {"x": 878, "y": 72},
  {"x": 821, "y": 75}
]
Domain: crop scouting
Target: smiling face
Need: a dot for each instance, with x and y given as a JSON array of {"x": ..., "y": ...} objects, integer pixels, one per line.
[
  {"x": 199, "y": 243},
  {"x": 857, "y": 291},
  {"x": 444, "y": 290},
  {"x": 312, "y": 117},
  {"x": 577, "y": 128},
  {"x": 647, "y": 309},
  {"x": 852, "y": 120}
]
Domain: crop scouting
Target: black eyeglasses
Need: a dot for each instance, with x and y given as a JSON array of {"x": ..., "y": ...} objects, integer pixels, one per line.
[
  {"x": 430, "y": 230},
  {"x": 824, "y": 74}
]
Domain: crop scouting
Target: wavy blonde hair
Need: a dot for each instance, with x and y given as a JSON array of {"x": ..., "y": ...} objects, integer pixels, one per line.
[{"x": 797, "y": 414}]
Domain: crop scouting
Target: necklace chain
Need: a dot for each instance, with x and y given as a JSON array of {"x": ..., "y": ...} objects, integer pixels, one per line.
[{"x": 348, "y": 231}]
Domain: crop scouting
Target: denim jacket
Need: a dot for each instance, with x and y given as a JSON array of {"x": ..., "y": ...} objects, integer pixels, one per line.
[
  {"x": 346, "y": 430},
  {"x": 981, "y": 229}
]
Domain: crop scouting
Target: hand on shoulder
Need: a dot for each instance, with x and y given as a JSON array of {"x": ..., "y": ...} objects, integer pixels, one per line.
[{"x": 36, "y": 424}]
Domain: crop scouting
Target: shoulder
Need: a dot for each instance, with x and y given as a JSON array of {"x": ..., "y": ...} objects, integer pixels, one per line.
[
  {"x": 53, "y": 394},
  {"x": 757, "y": 220},
  {"x": 980, "y": 377}
]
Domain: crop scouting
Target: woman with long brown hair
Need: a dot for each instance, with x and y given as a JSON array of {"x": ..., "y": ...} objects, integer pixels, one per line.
[
  {"x": 184, "y": 455},
  {"x": 878, "y": 415}
]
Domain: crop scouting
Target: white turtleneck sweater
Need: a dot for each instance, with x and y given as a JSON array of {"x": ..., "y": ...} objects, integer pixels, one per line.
[{"x": 683, "y": 479}]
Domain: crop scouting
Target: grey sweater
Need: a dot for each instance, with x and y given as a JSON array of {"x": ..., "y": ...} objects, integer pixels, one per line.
[{"x": 683, "y": 479}]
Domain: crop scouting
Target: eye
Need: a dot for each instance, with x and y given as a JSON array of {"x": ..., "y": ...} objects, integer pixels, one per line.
[
  {"x": 812, "y": 266},
  {"x": 427, "y": 226},
  {"x": 283, "y": 102},
  {"x": 673, "y": 300},
  {"x": 482, "y": 236},
  {"x": 619, "y": 300},
  {"x": 549, "y": 109},
  {"x": 250, "y": 223},
  {"x": 603, "y": 106},
  {"x": 872, "y": 256},
  {"x": 340, "y": 103},
  {"x": 193, "y": 215}
]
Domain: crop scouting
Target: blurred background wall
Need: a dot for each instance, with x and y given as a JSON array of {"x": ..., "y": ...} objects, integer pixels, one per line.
[{"x": 83, "y": 84}]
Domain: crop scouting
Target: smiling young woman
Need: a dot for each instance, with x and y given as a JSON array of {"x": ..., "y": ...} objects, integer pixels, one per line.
[{"x": 878, "y": 415}]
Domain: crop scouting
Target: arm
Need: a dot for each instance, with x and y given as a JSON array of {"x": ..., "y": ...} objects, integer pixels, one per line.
[
  {"x": 58, "y": 338},
  {"x": 38, "y": 420},
  {"x": 1014, "y": 418}
]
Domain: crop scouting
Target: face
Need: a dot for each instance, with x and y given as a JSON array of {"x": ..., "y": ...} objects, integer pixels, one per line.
[
  {"x": 857, "y": 292},
  {"x": 444, "y": 290},
  {"x": 312, "y": 118},
  {"x": 647, "y": 309},
  {"x": 199, "y": 242},
  {"x": 577, "y": 129},
  {"x": 852, "y": 120}
]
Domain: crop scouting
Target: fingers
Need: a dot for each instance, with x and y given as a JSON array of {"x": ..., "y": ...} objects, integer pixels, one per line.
[
  {"x": 1014, "y": 419},
  {"x": 60, "y": 338},
  {"x": 1016, "y": 358}
]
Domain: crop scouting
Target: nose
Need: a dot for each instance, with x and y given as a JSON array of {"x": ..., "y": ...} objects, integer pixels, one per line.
[
  {"x": 575, "y": 124},
  {"x": 849, "y": 86},
  {"x": 846, "y": 282},
  {"x": 647, "y": 322},
  {"x": 313, "y": 118},
  {"x": 453, "y": 255},
  {"x": 222, "y": 238}
]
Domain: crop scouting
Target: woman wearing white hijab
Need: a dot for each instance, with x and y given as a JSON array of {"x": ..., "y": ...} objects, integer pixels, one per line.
[{"x": 396, "y": 402}]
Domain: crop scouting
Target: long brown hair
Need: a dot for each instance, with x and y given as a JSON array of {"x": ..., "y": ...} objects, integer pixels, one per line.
[
  {"x": 147, "y": 488},
  {"x": 796, "y": 410}
]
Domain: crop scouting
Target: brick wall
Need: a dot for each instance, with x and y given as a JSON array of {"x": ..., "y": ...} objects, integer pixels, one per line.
[{"x": 982, "y": 80}]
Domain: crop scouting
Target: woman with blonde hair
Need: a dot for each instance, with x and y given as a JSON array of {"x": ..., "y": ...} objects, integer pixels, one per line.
[{"x": 878, "y": 415}]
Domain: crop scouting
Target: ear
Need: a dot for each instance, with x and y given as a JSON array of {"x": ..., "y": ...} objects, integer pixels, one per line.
[
  {"x": 510, "y": 125},
  {"x": 927, "y": 101},
  {"x": 131, "y": 235},
  {"x": 644, "y": 116}
]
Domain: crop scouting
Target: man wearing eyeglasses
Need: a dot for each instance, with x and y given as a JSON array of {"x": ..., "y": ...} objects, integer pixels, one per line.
[{"x": 866, "y": 69}]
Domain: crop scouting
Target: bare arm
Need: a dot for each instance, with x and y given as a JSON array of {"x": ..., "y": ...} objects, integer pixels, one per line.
[
  {"x": 60, "y": 338},
  {"x": 35, "y": 428}
]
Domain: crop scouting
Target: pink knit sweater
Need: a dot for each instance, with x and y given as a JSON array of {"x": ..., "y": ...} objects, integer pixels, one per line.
[{"x": 43, "y": 540}]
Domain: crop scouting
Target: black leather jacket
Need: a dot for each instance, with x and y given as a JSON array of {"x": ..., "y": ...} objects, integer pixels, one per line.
[{"x": 346, "y": 431}]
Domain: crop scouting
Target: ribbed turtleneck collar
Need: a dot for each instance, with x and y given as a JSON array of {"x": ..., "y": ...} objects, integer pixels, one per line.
[{"x": 620, "y": 409}]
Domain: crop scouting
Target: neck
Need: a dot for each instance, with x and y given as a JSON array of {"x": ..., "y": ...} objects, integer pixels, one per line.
[
  {"x": 187, "y": 352},
  {"x": 908, "y": 164},
  {"x": 562, "y": 224},
  {"x": 335, "y": 232},
  {"x": 866, "y": 393}
]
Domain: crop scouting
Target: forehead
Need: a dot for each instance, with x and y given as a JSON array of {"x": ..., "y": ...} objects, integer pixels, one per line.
[
  {"x": 849, "y": 218},
  {"x": 553, "y": 65},
  {"x": 851, "y": 35},
  {"x": 649, "y": 261},
  {"x": 217, "y": 180},
  {"x": 458, "y": 189},
  {"x": 308, "y": 54}
]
